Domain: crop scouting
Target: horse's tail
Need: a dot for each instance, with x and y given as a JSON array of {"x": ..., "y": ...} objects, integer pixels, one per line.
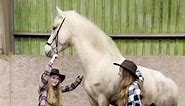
[
  {"x": 167, "y": 93},
  {"x": 172, "y": 93}
]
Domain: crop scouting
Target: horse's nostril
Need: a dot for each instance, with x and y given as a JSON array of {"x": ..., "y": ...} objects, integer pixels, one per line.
[{"x": 48, "y": 54}]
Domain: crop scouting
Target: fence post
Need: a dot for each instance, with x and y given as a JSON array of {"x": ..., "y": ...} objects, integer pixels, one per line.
[{"x": 5, "y": 26}]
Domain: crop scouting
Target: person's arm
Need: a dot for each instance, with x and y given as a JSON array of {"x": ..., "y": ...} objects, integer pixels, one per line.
[
  {"x": 45, "y": 74},
  {"x": 139, "y": 74},
  {"x": 43, "y": 83},
  {"x": 73, "y": 85},
  {"x": 135, "y": 96}
]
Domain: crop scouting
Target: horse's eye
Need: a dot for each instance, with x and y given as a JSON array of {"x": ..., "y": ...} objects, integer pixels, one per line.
[{"x": 54, "y": 28}]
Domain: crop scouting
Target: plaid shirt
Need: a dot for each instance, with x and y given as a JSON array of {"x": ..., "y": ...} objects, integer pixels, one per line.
[
  {"x": 135, "y": 94},
  {"x": 43, "y": 86}
]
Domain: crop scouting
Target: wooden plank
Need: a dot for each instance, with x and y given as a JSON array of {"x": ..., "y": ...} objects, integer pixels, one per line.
[
  {"x": 82, "y": 7},
  {"x": 116, "y": 18},
  {"x": 122, "y": 45},
  {"x": 132, "y": 47},
  {"x": 60, "y": 4},
  {"x": 91, "y": 13},
  {"x": 163, "y": 46},
  {"x": 26, "y": 15},
  {"x": 29, "y": 44},
  {"x": 49, "y": 14},
  {"x": 139, "y": 47},
  {"x": 131, "y": 16},
  {"x": 125, "y": 47},
  {"x": 34, "y": 46},
  {"x": 17, "y": 16},
  {"x": 41, "y": 16},
  {"x": 66, "y": 4},
  {"x": 183, "y": 46},
  {"x": 79, "y": 6},
  {"x": 123, "y": 16},
  {"x": 74, "y": 4},
  {"x": 144, "y": 16},
  {"x": 148, "y": 19},
  {"x": 111, "y": 16},
  {"x": 17, "y": 47},
  {"x": 33, "y": 15},
  {"x": 171, "y": 47},
  {"x": 169, "y": 16},
  {"x": 182, "y": 16},
  {"x": 173, "y": 15},
  {"x": 146, "y": 47},
  {"x": 118, "y": 43},
  {"x": 87, "y": 8},
  {"x": 42, "y": 42},
  {"x": 103, "y": 15},
  {"x": 179, "y": 47},
  {"x": 165, "y": 16},
  {"x": 24, "y": 45},
  {"x": 99, "y": 15},
  {"x": 149, "y": 36},
  {"x": 156, "y": 24},
  {"x": 177, "y": 16},
  {"x": 155, "y": 47},
  {"x": 160, "y": 16},
  {"x": 140, "y": 16},
  {"x": 107, "y": 17}
]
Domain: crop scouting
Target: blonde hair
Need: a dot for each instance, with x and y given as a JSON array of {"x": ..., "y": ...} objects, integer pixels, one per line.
[
  {"x": 54, "y": 97},
  {"x": 122, "y": 93}
]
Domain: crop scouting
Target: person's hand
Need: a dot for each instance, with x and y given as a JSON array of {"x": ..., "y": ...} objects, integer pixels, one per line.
[
  {"x": 55, "y": 56},
  {"x": 79, "y": 78},
  {"x": 52, "y": 59}
]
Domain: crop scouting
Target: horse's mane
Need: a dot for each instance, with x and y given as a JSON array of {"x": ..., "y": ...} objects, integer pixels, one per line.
[{"x": 100, "y": 41}]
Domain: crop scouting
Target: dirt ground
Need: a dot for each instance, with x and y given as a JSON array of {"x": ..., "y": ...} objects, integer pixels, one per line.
[{"x": 19, "y": 77}]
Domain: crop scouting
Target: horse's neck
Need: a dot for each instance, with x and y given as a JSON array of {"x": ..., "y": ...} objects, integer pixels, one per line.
[
  {"x": 89, "y": 54},
  {"x": 85, "y": 51},
  {"x": 92, "y": 44}
]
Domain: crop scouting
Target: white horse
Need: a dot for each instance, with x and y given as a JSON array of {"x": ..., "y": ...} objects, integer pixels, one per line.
[{"x": 97, "y": 52}]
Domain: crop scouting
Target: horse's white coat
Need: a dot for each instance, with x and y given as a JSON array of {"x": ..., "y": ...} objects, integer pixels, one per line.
[{"x": 97, "y": 52}]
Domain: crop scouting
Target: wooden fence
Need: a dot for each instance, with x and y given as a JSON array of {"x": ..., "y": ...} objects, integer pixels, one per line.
[{"x": 115, "y": 17}]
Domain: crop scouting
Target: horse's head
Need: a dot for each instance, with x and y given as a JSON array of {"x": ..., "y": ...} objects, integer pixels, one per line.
[{"x": 60, "y": 35}]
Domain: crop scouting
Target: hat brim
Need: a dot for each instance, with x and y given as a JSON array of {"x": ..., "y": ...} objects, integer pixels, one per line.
[
  {"x": 62, "y": 77},
  {"x": 127, "y": 69}
]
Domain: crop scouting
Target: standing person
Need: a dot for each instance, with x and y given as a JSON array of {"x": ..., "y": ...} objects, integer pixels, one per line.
[
  {"x": 51, "y": 89},
  {"x": 130, "y": 91}
]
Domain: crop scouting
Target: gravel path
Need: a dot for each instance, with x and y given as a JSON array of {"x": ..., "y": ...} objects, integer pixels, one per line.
[{"x": 19, "y": 77}]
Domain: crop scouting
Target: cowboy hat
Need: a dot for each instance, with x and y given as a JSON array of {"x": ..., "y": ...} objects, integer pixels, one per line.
[
  {"x": 55, "y": 71},
  {"x": 129, "y": 66}
]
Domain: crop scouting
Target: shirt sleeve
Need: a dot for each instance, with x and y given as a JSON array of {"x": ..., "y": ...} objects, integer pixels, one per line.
[
  {"x": 139, "y": 74},
  {"x": 42, "y": 99},
  {"x": 42, "y": 86},
  {"x": 71, "y": 86},
  {"x": 135, "y": 96},
  {"x": 45, "y": 76}
]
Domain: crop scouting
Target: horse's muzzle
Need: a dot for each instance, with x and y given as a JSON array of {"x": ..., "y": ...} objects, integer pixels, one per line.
[{"x": 49, "y": 54}]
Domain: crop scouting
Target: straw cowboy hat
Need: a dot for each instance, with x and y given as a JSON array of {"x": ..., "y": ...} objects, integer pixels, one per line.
[
  {"x": 129, "y": 66},
  {"x": 55, "y": 71}
]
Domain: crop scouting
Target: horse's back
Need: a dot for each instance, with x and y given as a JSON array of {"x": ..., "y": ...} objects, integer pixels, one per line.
[{"x": 162, "y": 89}]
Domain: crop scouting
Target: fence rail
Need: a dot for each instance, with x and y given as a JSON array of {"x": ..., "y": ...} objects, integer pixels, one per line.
[
  {"x": 142, "y": 24},
  {"x": 112, "y": 16}
]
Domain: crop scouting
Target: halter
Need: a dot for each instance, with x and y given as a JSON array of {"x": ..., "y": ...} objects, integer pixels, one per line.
[{"x": 56, "y": 37}]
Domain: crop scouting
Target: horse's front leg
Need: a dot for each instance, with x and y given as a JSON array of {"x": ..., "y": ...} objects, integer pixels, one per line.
[
  {"x": 102, "y": 100},
  {"x": 92, "y": 101}
]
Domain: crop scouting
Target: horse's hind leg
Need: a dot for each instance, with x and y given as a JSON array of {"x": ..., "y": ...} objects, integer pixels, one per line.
[
  {"x": 152, "y": 104},
  {"x": 102, "y": 101},
  {"x": 92, "y": 101}
]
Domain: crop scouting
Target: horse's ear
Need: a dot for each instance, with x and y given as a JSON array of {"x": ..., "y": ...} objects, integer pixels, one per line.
[{"x": 59, "y": 11}]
